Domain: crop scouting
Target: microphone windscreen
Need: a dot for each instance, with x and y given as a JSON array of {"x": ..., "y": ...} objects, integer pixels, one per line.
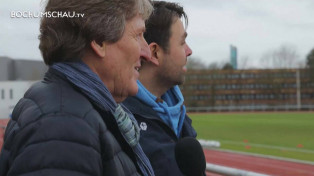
[{"x": 190, "y": 157}]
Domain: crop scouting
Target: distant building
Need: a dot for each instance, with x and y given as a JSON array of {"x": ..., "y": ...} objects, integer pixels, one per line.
[
  {"x": 6, "y": 68},
  {"x": 233, "y": 57},
  {"x": 16, "y": 76},
  {"x": 13, "y": 69},
  {"x": 284, "y": 89},
  {"x": 10, "y": 93}
]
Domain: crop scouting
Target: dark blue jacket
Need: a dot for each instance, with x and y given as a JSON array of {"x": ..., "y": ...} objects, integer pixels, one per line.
[
  {"x": 56, "y": 131},
  {"x": 158, "y": 140}
]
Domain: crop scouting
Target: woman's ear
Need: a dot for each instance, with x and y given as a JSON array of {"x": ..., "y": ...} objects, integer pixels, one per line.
[{"x": 99, "y": 49}]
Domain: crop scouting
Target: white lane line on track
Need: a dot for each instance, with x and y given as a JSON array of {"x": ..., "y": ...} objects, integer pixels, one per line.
[
  {"x": 262, "y": 164},
  {"x": 280, "y": 166},
  {"x": 264, "y": 156}
]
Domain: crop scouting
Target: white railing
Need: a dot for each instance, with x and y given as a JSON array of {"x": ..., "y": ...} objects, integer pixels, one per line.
[
  {"x": 213, "y": 168},
  {"x": 252, "y": 108},
  {"x": 230, "y": 171}
]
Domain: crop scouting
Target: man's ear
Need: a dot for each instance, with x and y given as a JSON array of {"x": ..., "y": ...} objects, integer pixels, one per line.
[
  {"x": 98, "y": 49},
  {"x": 155, "y": 52}
]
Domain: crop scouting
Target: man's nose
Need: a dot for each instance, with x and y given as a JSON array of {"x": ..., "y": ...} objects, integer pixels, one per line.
[{"x": 188, "y": 50}]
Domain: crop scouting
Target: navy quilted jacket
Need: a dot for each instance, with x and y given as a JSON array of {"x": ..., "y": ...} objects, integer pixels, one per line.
[
  {"x": 158, "y": 140},
  {"x": 55, "y": 130}
]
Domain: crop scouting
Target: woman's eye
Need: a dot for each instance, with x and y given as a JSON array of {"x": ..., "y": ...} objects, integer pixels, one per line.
[{"x": 139, "y": 35}]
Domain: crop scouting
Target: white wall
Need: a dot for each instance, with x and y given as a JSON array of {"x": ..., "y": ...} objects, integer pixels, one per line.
[{"x": 10, "y": 93}]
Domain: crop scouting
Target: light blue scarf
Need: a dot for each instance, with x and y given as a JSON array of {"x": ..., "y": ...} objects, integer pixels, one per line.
[
  {"x": 79, "y": 74},
  {"x": 171, "y": 110}
]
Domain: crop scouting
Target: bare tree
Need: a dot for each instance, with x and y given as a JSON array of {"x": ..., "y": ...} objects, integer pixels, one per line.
[
  {"x": 213, "y": 66},
  {"x": 243, "y": 62},
  {"x": 310, "y": 59},
  {"x": 227, "y": 66},
  {"x": 310, "y": 64},
  {"x": 301, "y": 64},
  {"x": 285, "y": 56},
  {"x": 195, "y": 63}
]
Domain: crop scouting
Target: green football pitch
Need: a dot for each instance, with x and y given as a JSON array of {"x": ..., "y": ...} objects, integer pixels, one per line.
[{"x": 286, "y": 134}]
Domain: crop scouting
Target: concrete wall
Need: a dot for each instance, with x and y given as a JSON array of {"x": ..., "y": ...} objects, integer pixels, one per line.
[
  {"x": 16, "y": 76},
  {"x": 13, "y": 69},
  {"x": 6, "y": 67},
  {"x": 29, "y": 69},
  {"x": 10, "y": 93}
]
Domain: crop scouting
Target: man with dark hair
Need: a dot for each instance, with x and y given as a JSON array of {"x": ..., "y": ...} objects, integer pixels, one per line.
[{"x": 158, "y": 106}]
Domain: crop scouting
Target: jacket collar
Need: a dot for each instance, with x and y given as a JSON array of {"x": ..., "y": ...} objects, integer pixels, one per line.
[{"x": 138, "y": 107}]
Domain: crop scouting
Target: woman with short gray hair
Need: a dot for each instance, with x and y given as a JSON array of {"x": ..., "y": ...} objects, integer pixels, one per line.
[{"x": 72, "y": 122}]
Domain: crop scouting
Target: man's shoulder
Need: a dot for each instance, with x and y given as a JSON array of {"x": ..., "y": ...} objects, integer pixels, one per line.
[{"x": 139, "y": 108}]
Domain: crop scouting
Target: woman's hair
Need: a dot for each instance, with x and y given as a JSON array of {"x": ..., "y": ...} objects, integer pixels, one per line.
[{"x": 69, "y": 26}]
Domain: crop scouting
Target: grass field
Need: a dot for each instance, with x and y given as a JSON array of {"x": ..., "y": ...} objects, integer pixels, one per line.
[{"x": 289, "y": 135}]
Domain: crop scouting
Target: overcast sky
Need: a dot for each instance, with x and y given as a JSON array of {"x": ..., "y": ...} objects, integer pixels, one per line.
[{"x": 255, "y": 27}]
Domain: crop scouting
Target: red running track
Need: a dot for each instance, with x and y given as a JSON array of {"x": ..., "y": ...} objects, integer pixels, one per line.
[
  {"x": 258, "y": 164},
  {"x": 3, "y": 124}
]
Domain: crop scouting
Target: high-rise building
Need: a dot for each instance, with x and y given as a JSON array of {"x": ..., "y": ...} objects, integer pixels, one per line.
[{"x": 233, "y": 57}]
